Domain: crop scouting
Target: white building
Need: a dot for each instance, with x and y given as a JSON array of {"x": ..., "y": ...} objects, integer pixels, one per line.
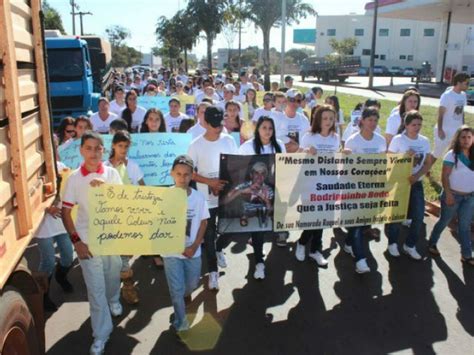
[{"x": 402, "y": 43}]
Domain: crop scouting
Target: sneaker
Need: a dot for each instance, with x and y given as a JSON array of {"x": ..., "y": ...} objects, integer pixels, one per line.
[
  {"x": 97, "y": 347},
  {"x": 411, "y": 252},
  {"x": 281, "y": 239},
  {"x": 300, "y": 252},
  {"x": 259, "y": 273},
  {"x": 433, "y": 249},
  {"x": 319, "y": 258},
  {"x": 221, "y": 259},
  {"x": 213, "y": 280},
  {"x": 393, "y": 250},
  {"x": 406, "y": 223},
  {"x": 116, "y": 309},
  {"x": 348, "y": 249},
  {"x": 362, "y": 267}
]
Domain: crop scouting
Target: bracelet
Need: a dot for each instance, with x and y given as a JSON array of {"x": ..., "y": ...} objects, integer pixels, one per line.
[{"x": 74, "y": 238}]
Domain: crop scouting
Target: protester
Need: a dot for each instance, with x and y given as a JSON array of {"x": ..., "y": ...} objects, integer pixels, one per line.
[
  {"x": 66, "y": 130},
  {"x": 251, "y": 101},
  {"x": 118, "y": 125},
  {"x": 334, "y": 102},
  {"x": 133, "y": 113},
  {"x": 205, "y": 152},
  {"x": 199, "y": 127},
  {"x": 410, "y": 101},
  {"x": 118, "y": 104},
  {"x": 232, "y": 119},
  {"x": 174, "y": 117},
  {"x": 101, "y": 119},
  {"x": 266, "y": 110},
  {"x": 101, "y": 273},
  {"x": 458, "y": 193},
  {"x": 81, "y": 125}
]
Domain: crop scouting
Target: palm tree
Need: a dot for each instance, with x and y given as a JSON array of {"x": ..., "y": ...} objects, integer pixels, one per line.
[{"x": 267, "y": 14}]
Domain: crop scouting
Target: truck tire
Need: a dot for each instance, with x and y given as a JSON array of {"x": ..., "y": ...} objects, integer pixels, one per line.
[
  {"x": 17, "y": 328},
  {"x": 326, "y": 77},
  {"x": 342, "y": 79},
  {"x": 302, "y": 77}
]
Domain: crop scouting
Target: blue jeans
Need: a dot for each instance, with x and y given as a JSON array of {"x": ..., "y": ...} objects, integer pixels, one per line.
[
  {"x": 182, "y": 276},
  {"x": 102, "y": 277},
  {"x": 464, "y": 206},
  {"x": 48, "y": 255},
  {"x": 316, "y": 236},
  {"x": 355, "y": 239},
  {"x": 416, "y": 212}
]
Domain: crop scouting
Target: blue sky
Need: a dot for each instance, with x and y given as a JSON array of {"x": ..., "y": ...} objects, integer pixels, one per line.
[{"x": 140, "y": 17}]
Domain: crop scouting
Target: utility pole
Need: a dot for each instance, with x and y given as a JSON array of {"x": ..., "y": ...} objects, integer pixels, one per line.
[
  {"x": 240, "y": 36},
  {"x": 283, "y": 33},
  {"x": 80, "y": 14},
  {"x": 73, "y": 13},
  {"x": 372, "y": 50}
]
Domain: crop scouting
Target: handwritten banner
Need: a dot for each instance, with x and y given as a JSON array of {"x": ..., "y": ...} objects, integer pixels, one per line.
[
  {"x": 158, "y": 102},
  {"x": 153, "y": 152},
  {"x": 136, "y": 220},
  {"x": 325, "y": 191}
]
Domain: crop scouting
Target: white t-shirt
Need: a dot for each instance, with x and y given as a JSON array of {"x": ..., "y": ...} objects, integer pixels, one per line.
[
  {"x": 401, "y": 143},
  {"x": 206, "y": 157},
  {"x": 248, "y": 148},
  {"x": 172, "y": 123},
  {"x": 51, "y": 226},
  {"x": 294, "y": 127},
  {"x": 196, "y": 213},
  {"x": 461, "y": 178},
  {"x": 76, "y": 193},
  {"x": 196, "y": 130},
  {"x": 394, "y": 122},
  {"x": 454, "y": 104},
  {"x": 116, "y": 108},
  {"x": 137, "y": 118},
  {"x": 134, "y": 172},
  {"x": 359, "y": 145},
  {"x": 329, "y": 144},
  {"x": 101, "y": 126},
  {"x": 259, "y": 112},
  {"x": 353, "y": 128},
  {"x": 201, "y": 95},
  {"x": 245, "y": 87}
]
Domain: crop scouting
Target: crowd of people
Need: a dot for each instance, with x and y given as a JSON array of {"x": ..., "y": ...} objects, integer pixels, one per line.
[{"x": 289, "y": 121}]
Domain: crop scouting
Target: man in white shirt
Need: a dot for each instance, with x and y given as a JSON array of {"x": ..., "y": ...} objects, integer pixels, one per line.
[
  {"x": 244, "y": 83},
  {"x": 450, "y": 114},
  {"x": 101, "y": 119},
  {"x": 174, "y": 117}
]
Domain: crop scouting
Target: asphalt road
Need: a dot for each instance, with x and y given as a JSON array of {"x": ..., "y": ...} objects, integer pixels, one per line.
[{"x": 401, "y": 307}]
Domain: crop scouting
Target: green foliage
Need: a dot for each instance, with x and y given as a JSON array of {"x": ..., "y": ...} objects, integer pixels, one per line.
[
  {"x": 344, "y": 46},
  {"x": 122, "y": 55},
  {"x": 297, "y": 55},
  {"x": 52, "y": 19}
]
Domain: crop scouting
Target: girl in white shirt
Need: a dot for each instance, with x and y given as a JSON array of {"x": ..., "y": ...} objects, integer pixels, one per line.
[
  {"x": 334, "y": 102},
  {"x": 410, "y": 142},
  {"x": 154, "y": 121},
  {"x": 322, "y": 138},
  {"x": 133, "y": 113},
  {"x": 264, "y": 142},
  {"x": 131, "y": 174},
  {"x": 366, "y": 141},
  {"x": 458, "y": 194},
  {"x": 118, "y": 104},
  {"x": 251, "y": 101},
  {"x": 410, "y": 101}
]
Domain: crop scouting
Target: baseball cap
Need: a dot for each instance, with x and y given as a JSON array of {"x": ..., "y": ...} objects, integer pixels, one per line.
[
  {"x": 183, "y": 159},
  {"x": 292, "y": 93},
  {"x": 214, "y": 116},
  {"x": 288, "y": 78},
  {"x": 229, "y": 87}
]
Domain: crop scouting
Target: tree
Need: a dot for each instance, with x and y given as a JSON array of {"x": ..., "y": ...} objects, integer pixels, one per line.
[
  {"x": 117, "y": 35},
  {"x": 298, "y": 54},
  {"x": 266, "y": 14},
  {"x": 122, "y": 55},
  {"x": 165, "y": 35},
  {"x": 344, "y": 46},
  {"x": 52, "y": 19},
  {"x": 209, "y": 16}
]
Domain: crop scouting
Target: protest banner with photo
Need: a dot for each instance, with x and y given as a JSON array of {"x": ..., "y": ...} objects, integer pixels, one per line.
[
  {"x": 188, "y": 102},
  {"x": 246, "y": 203},
  {"x": 159, "y": 102},
  {"x": 153, "y": 152},
  {"x": 136, "y": 220},
  {"x": 325, "y": 191}
]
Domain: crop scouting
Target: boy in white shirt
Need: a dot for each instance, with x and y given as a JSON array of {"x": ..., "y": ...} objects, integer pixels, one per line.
[{"x": 174, "y": 117}]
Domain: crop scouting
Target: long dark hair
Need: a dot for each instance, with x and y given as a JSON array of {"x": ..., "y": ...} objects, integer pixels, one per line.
[
  {"x": 257, "y": 142},
  {"x": 236, "y": 104},
  {"x": 317, "y": 118},
  {"x": 405, "y": 96},
  {"x": 66, "y": 121},
  {"x": 126, "y": 113},
  {"x": 335, "y": 104},
  {"x": 144, "y": 128},
  {"x": 119, "y": 136},
  {"x": 408, "y": 118},
  {"x": 456, "y": 147}
]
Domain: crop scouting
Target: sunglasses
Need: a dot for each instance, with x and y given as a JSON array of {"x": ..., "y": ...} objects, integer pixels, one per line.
[
  {"x": 298, "y": 101},
  {"x": 70, "y": 131}
]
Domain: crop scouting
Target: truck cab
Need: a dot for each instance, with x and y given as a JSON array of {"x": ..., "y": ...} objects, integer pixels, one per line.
[{"x": 70, "y": 78}]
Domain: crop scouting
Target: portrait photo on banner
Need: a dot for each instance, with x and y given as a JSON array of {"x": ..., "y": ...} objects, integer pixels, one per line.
[{"x": 246, "y": 203}]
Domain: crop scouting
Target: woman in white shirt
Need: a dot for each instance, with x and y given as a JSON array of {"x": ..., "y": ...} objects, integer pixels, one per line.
[
  {"x": 322, "y": 138},
  {"x": 264, "y": 142},
  {"x": 133, "y": 113},
  {"x": 334, "y": 102},
  {"x": 366, "y": 141},
  {"x": 411, "y": 142},
  {"x": 118, "y": 104},
  {"x": 410, "y": 101},
  {"x": 458, "y": 194}
]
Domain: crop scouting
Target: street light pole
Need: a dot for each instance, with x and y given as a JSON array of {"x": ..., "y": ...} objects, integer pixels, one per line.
[
  {"x": 372, "y": 50},
  {"x": 283, "y": 34}
]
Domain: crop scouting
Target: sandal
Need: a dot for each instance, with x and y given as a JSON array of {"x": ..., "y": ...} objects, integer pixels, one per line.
[
  {"x": 434, "y": 250},
  {"x": 468, "y": 261}
]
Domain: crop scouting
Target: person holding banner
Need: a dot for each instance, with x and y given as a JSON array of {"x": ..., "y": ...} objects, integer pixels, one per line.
[
  {"x": 410, "y": 142},
  {"x": 366, "y": 141},
  {"x": 264, "y": 142},
  {"x": 184, "y": 270},
  {"x": 205, "y": 152},
  {"x": 322, "y": 138},
  {"x": 133, "y": 113},
  {"x": 153, "y": 122},
  {"x": 458, "y": 194},
  {"x": 130, "y": 173},
  {"x": 101, "y": 273}
]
